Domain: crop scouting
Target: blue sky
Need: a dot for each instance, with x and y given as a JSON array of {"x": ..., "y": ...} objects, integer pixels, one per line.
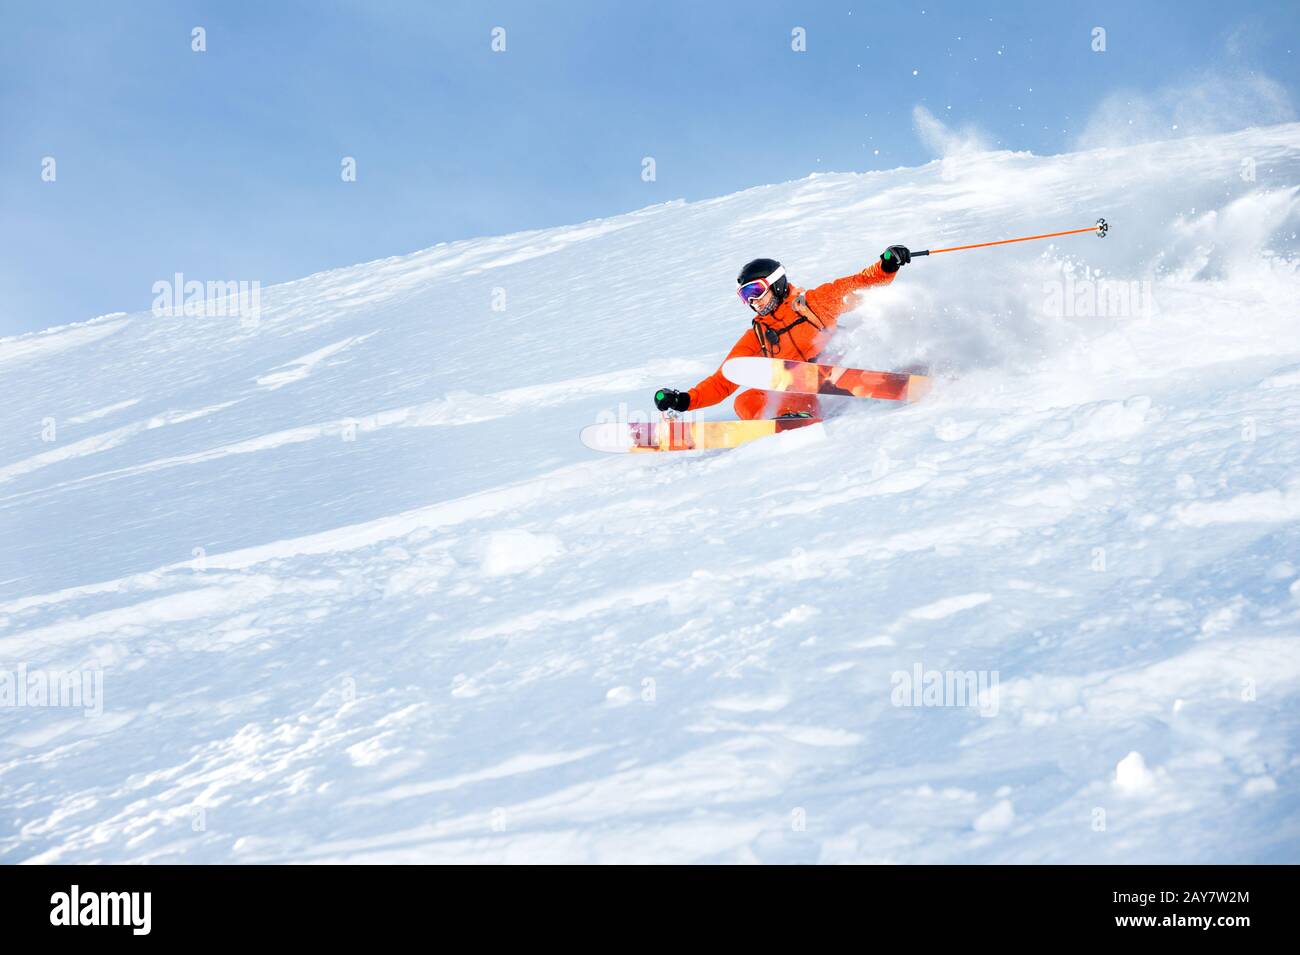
[{"x": 225, "y": 165}]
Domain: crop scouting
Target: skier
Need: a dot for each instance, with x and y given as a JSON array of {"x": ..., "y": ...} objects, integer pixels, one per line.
[{"x": 789, "y": 323}]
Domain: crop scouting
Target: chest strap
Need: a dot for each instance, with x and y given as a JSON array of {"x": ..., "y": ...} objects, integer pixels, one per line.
[{"x": 769, "y": 339}]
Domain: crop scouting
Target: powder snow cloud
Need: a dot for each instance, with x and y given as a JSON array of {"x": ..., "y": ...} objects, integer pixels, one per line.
[
  {"x": 1213, "y": 103},
  {"x": 945, "y": 141}
]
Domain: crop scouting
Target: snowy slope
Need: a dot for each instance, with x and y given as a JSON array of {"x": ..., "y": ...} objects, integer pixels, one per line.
[{"x": 357, "y": 593}]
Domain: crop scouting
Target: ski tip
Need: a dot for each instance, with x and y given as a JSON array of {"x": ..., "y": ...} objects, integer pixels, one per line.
[
  {"x": 754, "y": 372},
  {"x": 612, "y": 437},
  {"x": 731, "y": 370}
]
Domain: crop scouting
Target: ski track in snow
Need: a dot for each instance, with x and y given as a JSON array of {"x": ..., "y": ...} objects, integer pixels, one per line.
[{"x": 356, "y": 592}]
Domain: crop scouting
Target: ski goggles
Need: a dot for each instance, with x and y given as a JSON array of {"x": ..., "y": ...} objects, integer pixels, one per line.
[{"x": 759, "y": 287}]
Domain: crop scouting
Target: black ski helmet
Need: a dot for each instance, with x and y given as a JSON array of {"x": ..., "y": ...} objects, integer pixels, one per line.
[{"x": 761, "y": 269}]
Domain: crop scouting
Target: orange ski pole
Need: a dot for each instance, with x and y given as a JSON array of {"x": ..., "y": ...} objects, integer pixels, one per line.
[{"x": 1100, "y": 229}]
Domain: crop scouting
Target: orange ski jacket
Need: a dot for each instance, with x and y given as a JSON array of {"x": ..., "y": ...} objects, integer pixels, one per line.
[{"x": 799, "y": 328}]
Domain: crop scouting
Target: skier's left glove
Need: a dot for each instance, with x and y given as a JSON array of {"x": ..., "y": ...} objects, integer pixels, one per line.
[
  {"x": 666, "y": 399},
  {"x": 894, "y": 258}
]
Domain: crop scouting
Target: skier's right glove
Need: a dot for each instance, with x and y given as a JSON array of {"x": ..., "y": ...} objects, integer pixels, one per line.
[{"x": 666, "y": 399}]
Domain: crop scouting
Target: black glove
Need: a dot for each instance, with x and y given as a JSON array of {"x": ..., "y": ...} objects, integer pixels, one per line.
[
  {"x": 894, "y": 257},
  {"x": 666, "y": 399}
]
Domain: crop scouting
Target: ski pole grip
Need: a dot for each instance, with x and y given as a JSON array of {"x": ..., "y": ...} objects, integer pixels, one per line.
[{"x": 923, "y": 252}]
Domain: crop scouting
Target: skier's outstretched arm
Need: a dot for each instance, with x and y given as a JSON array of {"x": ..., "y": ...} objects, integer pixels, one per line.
[
  {"x": 832, "y": 300},
  {"x": 712, "y": 389}
]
